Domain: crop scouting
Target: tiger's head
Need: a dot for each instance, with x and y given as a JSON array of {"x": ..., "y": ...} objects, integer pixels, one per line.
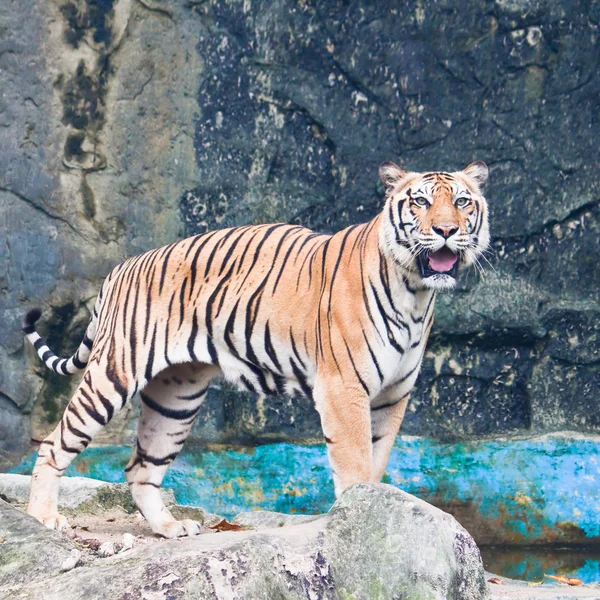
[{"x": 434, "y": 223}]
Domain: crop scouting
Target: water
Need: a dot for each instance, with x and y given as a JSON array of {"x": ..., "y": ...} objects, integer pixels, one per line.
[{"x": 532, "y": 563}]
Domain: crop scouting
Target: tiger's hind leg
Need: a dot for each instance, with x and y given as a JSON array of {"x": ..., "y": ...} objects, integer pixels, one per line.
[
  {"x": 170, "y": 403},
  {"x": 96, "y": 400}
]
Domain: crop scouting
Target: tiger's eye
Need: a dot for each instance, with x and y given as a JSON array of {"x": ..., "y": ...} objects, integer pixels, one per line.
[
  {"x": 421, "y": 201},
  {"x": 461, "y": 202}
]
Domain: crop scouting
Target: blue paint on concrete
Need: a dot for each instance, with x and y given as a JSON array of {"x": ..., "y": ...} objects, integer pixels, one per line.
[{"x": 535, "y": 490}]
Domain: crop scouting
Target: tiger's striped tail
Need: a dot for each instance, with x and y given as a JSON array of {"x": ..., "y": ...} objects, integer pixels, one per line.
[{"x": 62, "y": 366}]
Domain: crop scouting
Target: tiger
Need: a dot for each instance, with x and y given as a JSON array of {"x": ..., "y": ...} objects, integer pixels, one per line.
[{"x": 341, "y": 318}]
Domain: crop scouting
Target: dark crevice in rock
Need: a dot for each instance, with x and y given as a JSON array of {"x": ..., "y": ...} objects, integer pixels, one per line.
[
  {"x": 154, "y": 9},
  {"x": 40, "y": 208}
]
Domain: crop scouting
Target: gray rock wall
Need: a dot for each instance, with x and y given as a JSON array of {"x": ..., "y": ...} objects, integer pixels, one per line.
[{"x": 127, "y": 124}]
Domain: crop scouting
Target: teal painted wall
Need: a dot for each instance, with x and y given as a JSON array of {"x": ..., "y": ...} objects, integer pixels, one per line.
[{"x": 527, "y": 491}]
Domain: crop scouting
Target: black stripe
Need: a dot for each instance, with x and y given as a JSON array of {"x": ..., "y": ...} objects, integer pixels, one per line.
[
  {"x": 174, "y": 433},
  {"x": 301, "y": 377},
  {"x": 79, "y": 364},
  {"x": 194, "y": 396},
  {"x": 47, "y": 355},
  {"x": 133, "y": 332},
  {"x": 54, "y": 459},
  {"x": 160, "y": 462},
  {"x": 38, "y": 343},
  {"x": 207, "y": 238},
  {"x": 400, "y": 219},
  {"x": 87, "y": 342},
  {"x": 360, "y": 379},
  {"x": 63, "y": 444},
  {"x": 90, "y": 408},
  {"x": 168, "y": 413},
  {"x": 143, "y": 456},
  {"x": 150, "y": 364},
  {"x": 285, "y": 259},
  {"x": 208, "y": 321},
  {"x": 77, "y": 432},
  {"x": 212, "y": 351},
  {"x": 386, "y": 321},
  {"x": 169, "y": 313},
  {"x": 373, "y": 357},
  {"x": 28, "y": 329},
  {"x": 309, "y": 255},
  {"x": 376, "y": 438},
  {"x": 217, "y": 247},
  {"x": 338, "y": 261},
  {"x": 385, "y": 282},
  {"x": 163, "y": 271},
  {"x": 373, "y": 408},
  {"x": 108, "y": 407},
  {"x": 247, "y": 383},
  {"x": 71, "y": 408},
  {"x": 247, "y": 248},
  {"x": 112, "y": 376},
  {"x": 280, "y": 383},
  {"x": 193, "y": 335},
  {"x": 148, "y": 310},
  {"x": 363, "y": 288},
  {"x": 269, "y": 348},
  {"x": 420, "y": 319},
  {"x": 182, "y": 302},
  {"x": 295, "y": 350},
  {"x": 232, "y": 247},
  {"x": 222, "y": 301}
]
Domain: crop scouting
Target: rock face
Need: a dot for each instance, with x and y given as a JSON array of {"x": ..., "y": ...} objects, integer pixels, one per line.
[
  {"x": 29, "y": 552},
  {"x": 80, "y": 493},
  {"x": 376, "y": 542},
  {"x": 127, "y": 124}
]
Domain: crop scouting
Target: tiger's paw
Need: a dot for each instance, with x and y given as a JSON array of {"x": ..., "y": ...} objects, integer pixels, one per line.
[
  {"x": 175, "y": 529},
  {"x": 55, "y": 521}
]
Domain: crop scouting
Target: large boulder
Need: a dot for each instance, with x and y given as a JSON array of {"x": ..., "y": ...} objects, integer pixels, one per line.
[
  {"x": 29, "y": 552},
  {"x": 376, "y": 542}
]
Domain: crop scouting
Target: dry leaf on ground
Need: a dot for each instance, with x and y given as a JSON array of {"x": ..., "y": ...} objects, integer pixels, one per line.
[
  {"x": 495, "y": 580},
  {"x": 224, "y": 525},
  {"x": 563, "y": 579}
]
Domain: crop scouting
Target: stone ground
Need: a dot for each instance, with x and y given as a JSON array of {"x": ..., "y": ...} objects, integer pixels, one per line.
[
  {"x": 375, "y": 542},
  {"x": 103, "y": 524},
  {"x": 93, "y": 533}
]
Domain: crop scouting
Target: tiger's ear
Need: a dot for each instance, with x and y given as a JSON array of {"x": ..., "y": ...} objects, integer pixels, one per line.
[
  {"x": 390, "y": 174},
  {"x": 478, "y": 171}
]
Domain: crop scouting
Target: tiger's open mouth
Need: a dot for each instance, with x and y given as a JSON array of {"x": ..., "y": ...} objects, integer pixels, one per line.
[{"x": 440, "y": 262}]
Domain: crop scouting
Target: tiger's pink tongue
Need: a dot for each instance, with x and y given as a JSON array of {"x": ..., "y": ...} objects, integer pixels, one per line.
[{"x": 443, "y": 260}]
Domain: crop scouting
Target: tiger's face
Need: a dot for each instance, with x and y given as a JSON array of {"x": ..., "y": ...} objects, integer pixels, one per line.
[{"x": 435, "y": 223}]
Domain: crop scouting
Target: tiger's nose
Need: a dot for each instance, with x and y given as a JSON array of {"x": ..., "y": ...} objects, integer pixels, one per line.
[{"x": 445, "y": 230}]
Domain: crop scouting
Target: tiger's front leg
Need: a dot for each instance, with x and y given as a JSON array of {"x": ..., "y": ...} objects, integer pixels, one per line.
[
  {"x": 346, "y": 423},
  {"x": 386, "y": 419}
]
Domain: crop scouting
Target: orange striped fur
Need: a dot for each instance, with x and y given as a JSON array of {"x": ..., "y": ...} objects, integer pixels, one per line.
[{"x": 277, "y": 309}]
